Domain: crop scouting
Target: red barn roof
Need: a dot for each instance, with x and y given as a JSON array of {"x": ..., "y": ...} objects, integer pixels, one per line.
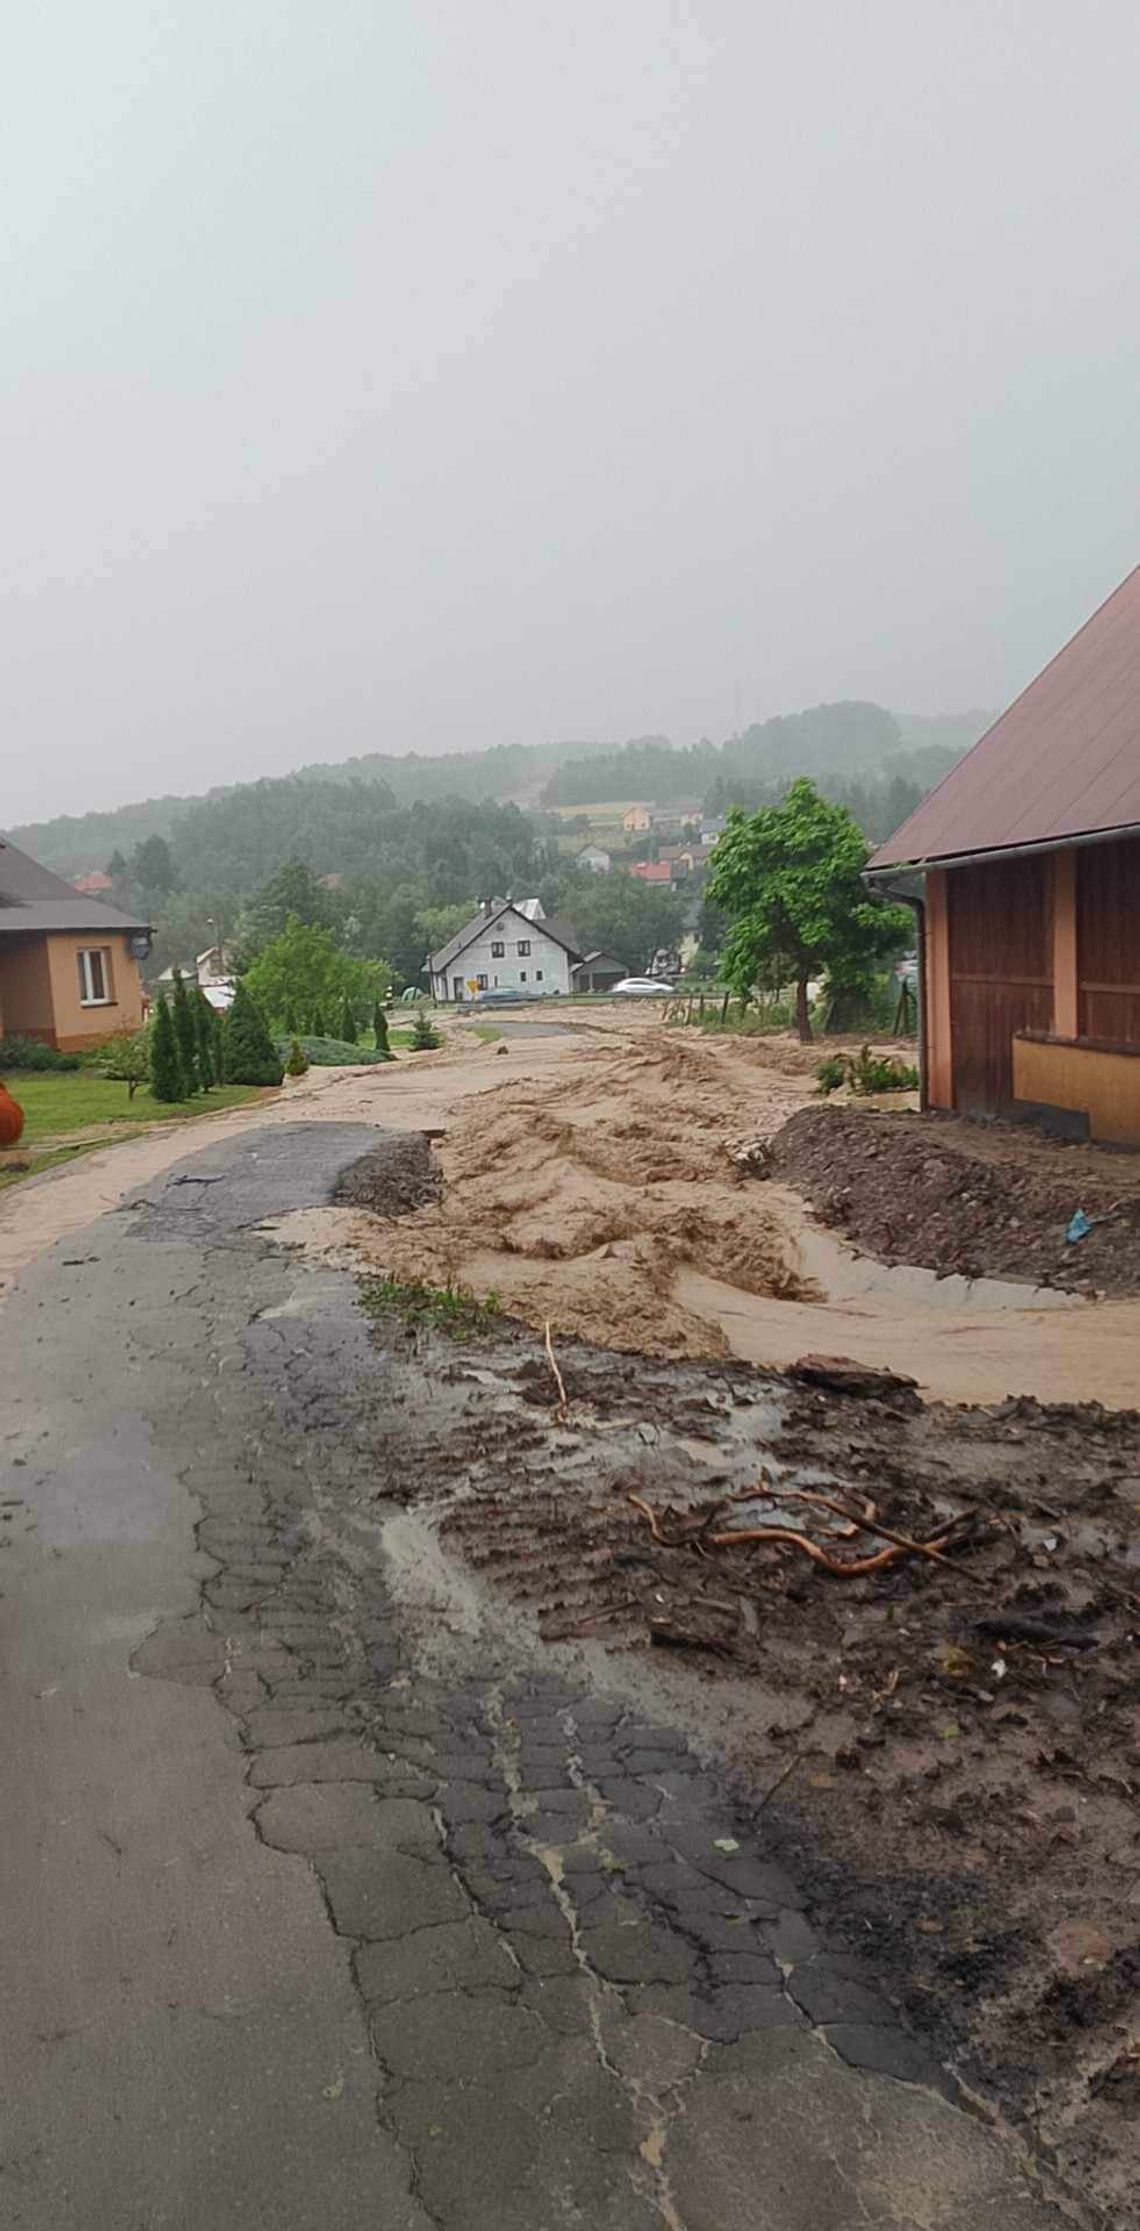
[{"x": 1063, "y": 762}]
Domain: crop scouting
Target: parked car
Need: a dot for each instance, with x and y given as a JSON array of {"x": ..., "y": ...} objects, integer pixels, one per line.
[
  {"x": 500, "y": 995},
  {"x": 641, "y": 987}
]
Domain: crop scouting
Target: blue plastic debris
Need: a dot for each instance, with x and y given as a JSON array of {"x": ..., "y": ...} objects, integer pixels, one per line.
[{"x": 1079, "y": 1226}]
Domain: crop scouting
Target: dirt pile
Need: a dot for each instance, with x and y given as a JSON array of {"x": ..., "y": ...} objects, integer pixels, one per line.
[
  {"x": 578, "y": 1202},
  {"x": 946, "y": 1743},
  {"x": 394, "y": 1178},
  {"x": 909, "y": 1189}
]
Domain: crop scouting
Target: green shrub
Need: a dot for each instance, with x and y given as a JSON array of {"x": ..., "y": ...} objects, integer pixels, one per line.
[
  {"x": 296, "y": 1060},
  {"x": 330, "y": 1053},
  {"x": 185, "y": 1034},
  {"x": 251, "y": 1058},
  {"x": 424, "y": 1038},
  {"x": 17, "y": 1052},
  {"x": 866, "y": 1073},
  {"x": 348, "y": 1029}
]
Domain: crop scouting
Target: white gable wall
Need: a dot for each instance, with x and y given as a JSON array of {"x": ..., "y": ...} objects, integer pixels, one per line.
[{"x": 542, "y": 969}]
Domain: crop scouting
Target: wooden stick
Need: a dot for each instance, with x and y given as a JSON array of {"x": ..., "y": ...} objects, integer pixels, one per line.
[
  {"x": 558, "y": 1379},
  {"x": 875, "y": 1526}
]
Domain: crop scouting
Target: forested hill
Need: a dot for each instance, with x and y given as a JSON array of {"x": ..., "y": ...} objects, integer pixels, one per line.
[
  {"x": 848, "y": 739},
  {"x": 329, "y": 815}
]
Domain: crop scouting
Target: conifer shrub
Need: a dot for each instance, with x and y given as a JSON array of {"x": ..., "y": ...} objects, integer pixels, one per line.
[
  {"x": 165, "y": 1066},
  {"x": 251, "y": 1058}
]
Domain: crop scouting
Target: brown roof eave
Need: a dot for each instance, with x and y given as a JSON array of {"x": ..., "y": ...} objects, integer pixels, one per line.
[{"x": 895, "y": 868}]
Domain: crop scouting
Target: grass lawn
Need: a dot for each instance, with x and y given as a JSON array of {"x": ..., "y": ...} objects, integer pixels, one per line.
[{"x": 70, "y": 1100}]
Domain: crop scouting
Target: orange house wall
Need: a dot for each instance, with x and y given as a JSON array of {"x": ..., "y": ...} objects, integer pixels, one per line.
[
  {"x": 74, "y": 1025},
  {"x": 39, "y": 990}
]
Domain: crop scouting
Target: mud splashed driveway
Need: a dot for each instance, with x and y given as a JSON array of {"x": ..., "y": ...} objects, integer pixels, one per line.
[{"x": 324, "y": 1907}]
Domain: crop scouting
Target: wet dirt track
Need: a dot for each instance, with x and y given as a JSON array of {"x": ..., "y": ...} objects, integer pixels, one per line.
[{"x": 323, "y": 1910}]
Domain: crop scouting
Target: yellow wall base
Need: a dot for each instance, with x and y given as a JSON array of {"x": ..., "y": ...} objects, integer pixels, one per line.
[{"x": 1105, "y": 1085}]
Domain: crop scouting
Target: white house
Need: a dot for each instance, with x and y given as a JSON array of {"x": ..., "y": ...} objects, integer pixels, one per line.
[
  {"x": 502, "y": 948},
  {"x": 593, "y": 857}
]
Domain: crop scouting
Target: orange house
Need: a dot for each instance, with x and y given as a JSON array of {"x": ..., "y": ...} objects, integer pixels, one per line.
[
  {"x": 1024, "y": 868},
  {"x": 69, "y": 966}
]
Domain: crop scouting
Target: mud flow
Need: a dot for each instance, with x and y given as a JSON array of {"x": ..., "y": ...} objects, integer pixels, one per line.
[{"x": 944, "y": 1738}]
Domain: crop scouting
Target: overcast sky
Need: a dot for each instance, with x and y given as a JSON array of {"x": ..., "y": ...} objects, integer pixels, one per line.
[{"x": 427, "y": 374}]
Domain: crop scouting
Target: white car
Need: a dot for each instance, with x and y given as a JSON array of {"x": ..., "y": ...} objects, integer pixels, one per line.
[{"x": 641, "y": 987}]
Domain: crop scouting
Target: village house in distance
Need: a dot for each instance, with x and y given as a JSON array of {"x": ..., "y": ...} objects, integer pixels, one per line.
[
  {"x": 69, "y": 963},
  {"x": 512, "y": 945},
  {"x": 1024, "y": 864}
]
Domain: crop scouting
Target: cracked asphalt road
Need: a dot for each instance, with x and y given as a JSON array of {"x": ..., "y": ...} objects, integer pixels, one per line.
[{"x": 303, "y": 1931}]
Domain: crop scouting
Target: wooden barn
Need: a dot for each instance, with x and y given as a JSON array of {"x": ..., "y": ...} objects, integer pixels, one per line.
[{"x": 1024, "y": 867}]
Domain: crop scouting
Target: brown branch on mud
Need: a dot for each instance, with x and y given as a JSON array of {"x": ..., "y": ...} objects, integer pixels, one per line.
[
  {"x": 874, "y": 1525},
  {"x": 844, "y": 1568},
  {"x": 561, "y": 1407}
]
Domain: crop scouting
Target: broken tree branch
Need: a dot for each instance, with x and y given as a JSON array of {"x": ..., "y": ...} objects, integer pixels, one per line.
[{"x": 559, "y": 1382}]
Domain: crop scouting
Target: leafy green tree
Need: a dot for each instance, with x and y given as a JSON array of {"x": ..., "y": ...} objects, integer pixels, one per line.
[
  {"x": 250, "y": 1055},
  {"x": 219, "y": 1049},
  {"x": 305, "y": 967},
  {"x": 347, "y": 1022},
  {"x": 185, "y": 1032},
  {"x": 151, "y": 871},
  {"x": 165, "y": 1068},
  {"x": 317, "y": 1022},
  {"x": 292, "y": 894},
  {"x": 789, "y": 878},
  {"x": 128, "y": 1061},
  {"x": 380, "y": 1028},
  {"x": 204, "y": 1040}
]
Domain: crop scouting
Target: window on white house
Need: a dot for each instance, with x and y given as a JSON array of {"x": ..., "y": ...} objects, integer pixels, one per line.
[
  {"x": 538, "y": 976},
  {"x": 522, "y": 975},
  {"x": 95, "y": 976},
  {"x": 498, "y": 952},
  {"x": 524, "y": 947},
  {"x": 481, "y": 983}
]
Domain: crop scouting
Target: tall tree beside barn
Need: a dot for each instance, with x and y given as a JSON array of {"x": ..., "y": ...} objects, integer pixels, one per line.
[{"x": 790, "y": 880}]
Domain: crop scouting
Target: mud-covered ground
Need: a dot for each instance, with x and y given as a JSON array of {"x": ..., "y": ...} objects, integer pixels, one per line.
[
  {"x": 949, "y": 1741},
  {"x": 956, "y": 1197}
]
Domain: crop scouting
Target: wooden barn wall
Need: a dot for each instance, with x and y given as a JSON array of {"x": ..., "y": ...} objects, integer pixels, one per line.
[
  {"x": 1108, "y": 941},
  {"x": 1001, "y": 971}
]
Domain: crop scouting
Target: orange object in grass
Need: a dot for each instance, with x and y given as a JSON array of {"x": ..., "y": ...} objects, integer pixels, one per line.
[{"x": 11, "y": 1118}]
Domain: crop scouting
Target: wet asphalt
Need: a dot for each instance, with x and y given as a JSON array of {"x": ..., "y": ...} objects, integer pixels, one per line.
[{"x": 309, "y": 1925}]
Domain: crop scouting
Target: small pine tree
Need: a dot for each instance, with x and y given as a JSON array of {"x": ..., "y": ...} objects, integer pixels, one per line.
[
  {"x": 289, "y": 1021},
  {"x": 317, "y": 1022},
  {"x": 251, "y": 1057},
  {"x": 424, "y": 1038},
  {"x": 298, "y": 1060},
  {"x": 380, "y": 1028},
  {"x": 165, "y": 1067},
  {"x": 347, "y": 1022},
  {"x": 219, "y": 1048},
  {"x": 204, "y": 1036},
  {"x": 185, "y": 1034}
]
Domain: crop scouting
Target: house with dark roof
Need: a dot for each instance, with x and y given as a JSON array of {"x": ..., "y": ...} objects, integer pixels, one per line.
[
  {"x": 505, "y": 947},
  {"x": 69, "y": 963},
  {"x": 1024, "y": 869}
]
